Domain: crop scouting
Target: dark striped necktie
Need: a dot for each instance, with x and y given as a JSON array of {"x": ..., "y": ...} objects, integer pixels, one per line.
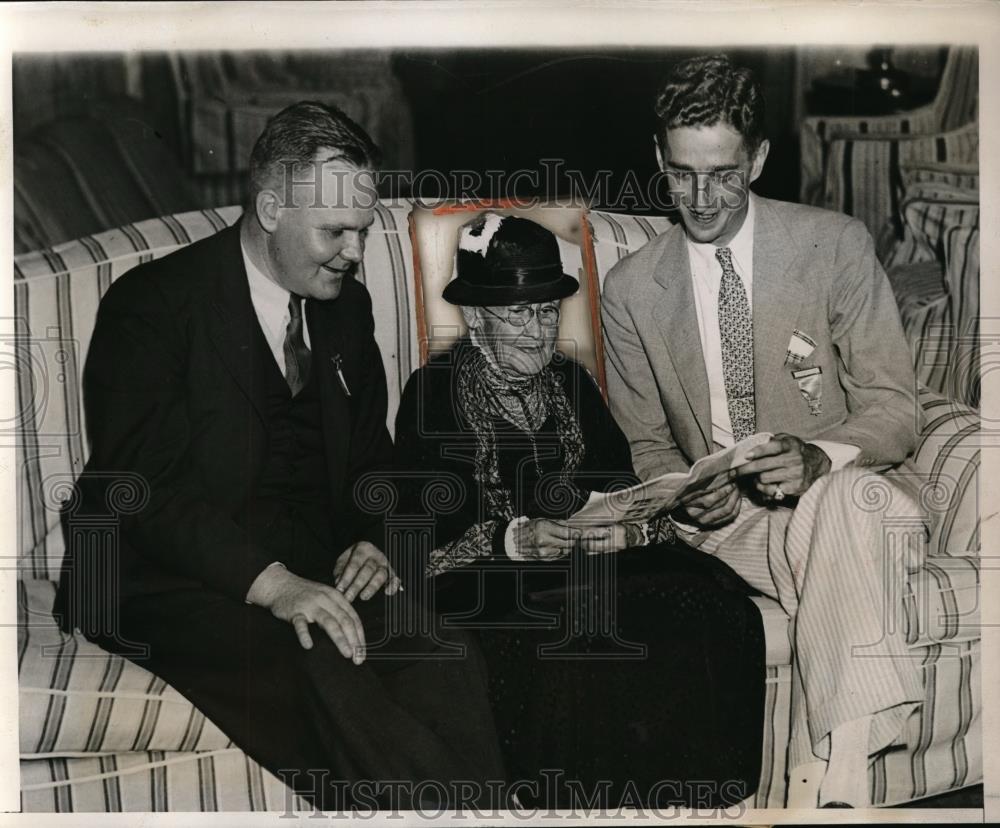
[
  {"x": 298, "y": 358},
  {"x": 736, "y": 334}
]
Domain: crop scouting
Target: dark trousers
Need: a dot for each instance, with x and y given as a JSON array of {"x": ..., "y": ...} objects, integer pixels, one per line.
[
  {"x": 646, "y": 686},
  {"x": 398, "y": 716}
]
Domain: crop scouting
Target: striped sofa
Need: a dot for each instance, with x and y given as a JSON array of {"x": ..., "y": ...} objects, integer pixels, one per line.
[{"x": 98, "y": 733}]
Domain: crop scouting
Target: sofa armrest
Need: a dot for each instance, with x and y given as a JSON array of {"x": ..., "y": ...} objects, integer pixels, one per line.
[
  {"x": 941, "y": 602},
  {"x": 947, "y": 459},
  {"x": 961, "y": 272}
]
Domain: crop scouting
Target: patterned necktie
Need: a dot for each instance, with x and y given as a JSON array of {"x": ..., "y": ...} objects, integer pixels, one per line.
[
  {"x": 736, "y": 333},
  {"x": 297, "y": 355}
]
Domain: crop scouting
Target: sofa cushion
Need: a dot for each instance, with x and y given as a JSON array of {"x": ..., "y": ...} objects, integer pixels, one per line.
[
  {"x": 929, "y": 209},
  {"x": 961, "y": 176},
  {"x": 75, "y": 698},
  {"x": 777, "y": 644}
]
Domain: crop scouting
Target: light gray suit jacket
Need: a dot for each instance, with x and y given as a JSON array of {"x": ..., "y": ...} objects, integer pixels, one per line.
[{"x": 814, "y": 271}]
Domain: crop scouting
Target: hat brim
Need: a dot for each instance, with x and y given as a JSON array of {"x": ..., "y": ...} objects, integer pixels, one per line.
[{"x": 461, "y": 292}]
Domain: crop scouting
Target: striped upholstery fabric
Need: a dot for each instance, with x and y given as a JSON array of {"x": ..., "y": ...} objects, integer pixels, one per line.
[
  {"x": 948, "y": 457},
  {"x": 941, "y": 602},
  {"x": 770, "y": 791},
  {"x": 214, "y": 780},
  {"x": 955, "y": 105},
  {"x": 75, "y": 698},
  {"x": 961, "y": 255},
  {"x": 928, "y": 209},
  {"x": 773, "y": 785},
  {"x": 102, "y": 734},
  {"x": 862, "y": 175},
  {"x": 941, "y": 609},
  {"x": 962, "y": 176},
  {"x": 935, "y": 277},
  {"x": 616, "y": 235},
  {"x": 944, "y": 741},
  {"x": 777, "y": 643}
]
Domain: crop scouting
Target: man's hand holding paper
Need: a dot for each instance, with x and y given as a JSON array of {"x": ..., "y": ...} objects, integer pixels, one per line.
[{"x": 784, "y": 466}]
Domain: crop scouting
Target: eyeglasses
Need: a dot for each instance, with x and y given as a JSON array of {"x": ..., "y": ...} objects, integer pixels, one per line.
[
  {"x": 520, "y": 315},
  {"x": 733, "y": 177}
]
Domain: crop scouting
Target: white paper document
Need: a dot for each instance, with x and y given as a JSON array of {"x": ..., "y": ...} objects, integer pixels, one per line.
[{"x": 661, "y": 494}]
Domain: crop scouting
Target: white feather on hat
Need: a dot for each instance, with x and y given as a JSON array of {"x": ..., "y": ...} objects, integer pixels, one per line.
[{"x": 475, "y": 237}]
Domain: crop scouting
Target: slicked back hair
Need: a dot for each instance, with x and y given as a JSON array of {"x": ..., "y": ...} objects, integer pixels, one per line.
[
  {"x": 707, "y": 90},
  {"x": 294, "y": 136}
]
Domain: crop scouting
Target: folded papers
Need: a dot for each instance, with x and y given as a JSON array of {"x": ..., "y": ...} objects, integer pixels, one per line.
[{"x": 661, "y": 494}]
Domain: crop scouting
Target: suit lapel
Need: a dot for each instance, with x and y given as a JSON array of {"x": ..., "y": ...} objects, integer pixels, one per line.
[
  {"x": 235, "y": 327},
  {"x": 777, "y": 297},
  {"x": 328, "y": 343},
  {"x": 678, "y": 326}
]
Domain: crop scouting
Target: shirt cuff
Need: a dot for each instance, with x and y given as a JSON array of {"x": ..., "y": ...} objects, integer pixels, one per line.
[
  {"x": 840, "y": 454},
  {"x": 273, "y": 563},
  {"x": 508, "y": 539}
]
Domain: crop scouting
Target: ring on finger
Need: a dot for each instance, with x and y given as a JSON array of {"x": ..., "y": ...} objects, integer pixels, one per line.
[{"x": 778, "y": 495}]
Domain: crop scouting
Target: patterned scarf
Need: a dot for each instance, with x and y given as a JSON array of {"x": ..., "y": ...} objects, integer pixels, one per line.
[{"x": 485, "y": 393}]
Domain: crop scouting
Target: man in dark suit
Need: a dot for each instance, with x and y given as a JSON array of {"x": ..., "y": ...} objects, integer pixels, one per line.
[
  {"x": 236, "y": 404},
  {"x": 752, "y": 315}
]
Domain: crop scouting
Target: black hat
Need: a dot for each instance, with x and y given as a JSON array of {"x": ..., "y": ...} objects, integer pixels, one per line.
[{"x": 512, "y": 261}]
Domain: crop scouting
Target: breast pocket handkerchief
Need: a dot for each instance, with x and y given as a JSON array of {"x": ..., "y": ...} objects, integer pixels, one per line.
[{"x": 800, "y": 346}]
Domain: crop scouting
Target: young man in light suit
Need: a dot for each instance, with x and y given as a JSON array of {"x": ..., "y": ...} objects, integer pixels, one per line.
[{"x": 749, "y": 316}]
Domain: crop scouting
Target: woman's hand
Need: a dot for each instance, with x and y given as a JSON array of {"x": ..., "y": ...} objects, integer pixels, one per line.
[
  {"x": 542, "y": 539},
  {"x": 606, "y": 539}
]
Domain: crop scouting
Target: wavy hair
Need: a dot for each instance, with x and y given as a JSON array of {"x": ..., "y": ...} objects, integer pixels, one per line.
[{"x": 707, "y": 90}]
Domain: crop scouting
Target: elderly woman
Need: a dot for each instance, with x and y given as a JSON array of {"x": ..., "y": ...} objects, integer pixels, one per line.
[{"x": 618, "y": 656}]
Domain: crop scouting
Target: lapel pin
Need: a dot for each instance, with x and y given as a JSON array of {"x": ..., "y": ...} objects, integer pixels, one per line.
[{"x": 337, "y": 362}]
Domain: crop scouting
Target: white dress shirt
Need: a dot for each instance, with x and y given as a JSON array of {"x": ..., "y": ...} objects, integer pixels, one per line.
[
  {"x": 706, "y": 278},
  {"x": 270, "y": 303}
]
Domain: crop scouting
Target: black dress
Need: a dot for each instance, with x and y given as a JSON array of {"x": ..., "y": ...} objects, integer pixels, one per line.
[{"x": 635, "y": 677}]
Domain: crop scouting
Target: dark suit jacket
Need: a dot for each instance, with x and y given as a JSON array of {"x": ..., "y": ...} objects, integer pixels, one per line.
[
  {"x": 815, "y": 271},
  {"x": 174, "y": 400}
]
